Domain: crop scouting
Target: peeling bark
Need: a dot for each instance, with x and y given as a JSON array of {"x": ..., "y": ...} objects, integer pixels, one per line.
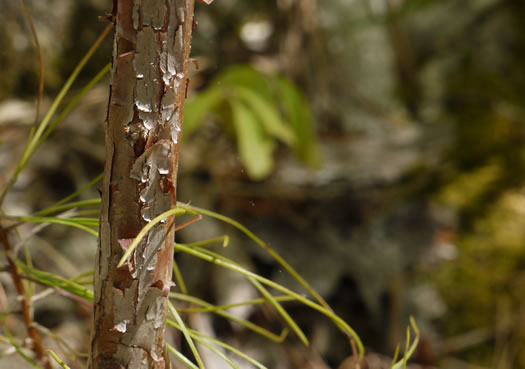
[{"x": 148, "y": 87}]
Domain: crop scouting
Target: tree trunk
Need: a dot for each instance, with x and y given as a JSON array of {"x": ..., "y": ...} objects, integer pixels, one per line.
[{"x": 148, "y": 87}]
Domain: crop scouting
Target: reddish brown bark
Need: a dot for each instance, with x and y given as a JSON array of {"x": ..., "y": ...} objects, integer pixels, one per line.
[
  {"x": 27, "y": 316},
  {"x": 148, "y": 85}
]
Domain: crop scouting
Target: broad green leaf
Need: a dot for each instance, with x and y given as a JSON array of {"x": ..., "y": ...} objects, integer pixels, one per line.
[
  {"x": 300, "y": 117},
  {"x": 246, "y": 76},
  {"x": 196, "y": 108},
  {"x": 254, "y": 146},
  {"x": 267, "y": 114}
]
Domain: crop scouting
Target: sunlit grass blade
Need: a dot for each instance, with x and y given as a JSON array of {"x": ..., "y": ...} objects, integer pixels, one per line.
[
  {"x": 61, "y": 342},
  {"x": 186, "y": 334},
  {"x": 175, "y": 211},
  {"x": 72, "y": 205},
  {"x": 36, "y": 135},
  {"x": 72, "y": 222},
  {"x": 258, "y": 301},
  {"x": 36, "y": 41},
  {"x": 73, "y": 103},
  {"x": 54, "y": 280},
  {"x": 409, "y": 349},
  {"x": 394, "y": 359},
  {"x": 323, "y": 310},
  {"x": 405, "y": 356},
  {"x": 85, "y": 279},
  {"x": 19, "y": 349},
  {"x": 287, "y": 318},
  {"x": 215, "y": 351},
  {"x": 78, "y": 192},
  {"x": 245, "y": 323},
  {"x": 283, "y": 313},
  {"x": 222, "y": 344},
  {"x": 178, "y": 277},
  {"x": 261, "y": 243},
  {"x": 86, "y": 275},
  {"x": 182, "y": 358},
  {"x": 225, "y": 239},
  {"x": 58, "y": 360}
]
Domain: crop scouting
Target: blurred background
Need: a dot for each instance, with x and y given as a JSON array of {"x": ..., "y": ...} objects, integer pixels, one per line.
[{"x": 377, "y": 145}]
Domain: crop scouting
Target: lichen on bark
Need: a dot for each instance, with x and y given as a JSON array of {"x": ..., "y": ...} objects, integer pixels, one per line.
[{"x": 148, "y": 86}]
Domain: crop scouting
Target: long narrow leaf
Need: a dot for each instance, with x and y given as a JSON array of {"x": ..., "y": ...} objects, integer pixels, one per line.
[
  {"x": 19, "y": 349},
  {"x": 181, "y": 357},
  {"x": 198, "y": 338},
  {"x": 257, "y": 301},
  {"x": 287, "y": 318},
  {"x": 261, "y": 243},
  {"x": 178, "y": 277},
  {"x": 186, "y": 334},
  {"x": 54, "y": 280},
  {"x": 323, "y": 310},
  {"x": 220, "y": 343},
  {"x": 245, "y": 323},
  {"x": 73, "y": 103},
  {"x": 58, "y": 360},
  {"x": 408, "y": 353},
  {"x": 175, "y": 211},
  {"x": 35, "y": 137},
  {"x": 64, "y": 221}
]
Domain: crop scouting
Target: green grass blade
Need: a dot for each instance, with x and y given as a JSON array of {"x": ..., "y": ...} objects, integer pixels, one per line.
[
  {"x": 175, "y": 211},
  {"x": 64, "y": 221},
  {"x": 19, "y": 349},
  {"x": 323, "y": 310},
  {"x": 394, "y": 359},
  {"x": 405, "y": 356},
  {"x": 186, "y": 334},
  {"x": 73, "y": 103},
  {"x": 259, "y": 242},
  {"x": 409, "y": 352},
  {"x": 206, "y": 344},
  {"x": 245, "y": 323},
  {"x": 35, "y": 138},
  {"x": 216, "y": 351},
  {"x": 258, "y": 301},
  {"x": 58, "y": 360},
  {"x": 232, "y": 349},
  {"x": 54, "y": 280},
  {"x": 64, "y": 207},
  {"x": 80, "y": 190},
  {"x": 225, "y": 239},
  {"x": 178, "y": 277},
  {"x": 287, "y": 318},
  {"x": 89, "y": 274},
  {"x": 181, "y": 357}
]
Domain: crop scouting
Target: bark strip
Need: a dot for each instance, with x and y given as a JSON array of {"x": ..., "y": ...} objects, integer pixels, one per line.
[{"x": 147, "y": 93}]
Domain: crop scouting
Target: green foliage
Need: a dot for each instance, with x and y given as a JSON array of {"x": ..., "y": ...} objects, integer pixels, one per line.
[
  {"x": 491, "y": 254},
  {"x": 262, "y": 110}
]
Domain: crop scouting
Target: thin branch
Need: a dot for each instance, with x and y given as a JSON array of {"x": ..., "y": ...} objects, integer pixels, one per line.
[
  {"x": 40, "y": 60},
  {"x": 25, "y": 303}
]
